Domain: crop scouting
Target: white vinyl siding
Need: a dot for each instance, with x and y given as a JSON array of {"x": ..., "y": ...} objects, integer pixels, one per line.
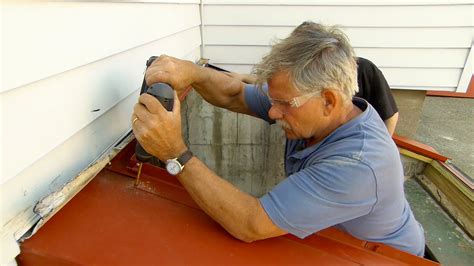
[
  {"x": 43, "y": 39},
  {"x": 71, "y": 76},
  {"x": 360, "y": 37},
  {"x": 417, "y": 44}
]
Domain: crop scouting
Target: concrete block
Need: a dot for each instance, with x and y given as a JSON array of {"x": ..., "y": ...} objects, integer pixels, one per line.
[
  {"x": 205, "y": 154},
  {"x": 251, "y": 130},
  {"x": 277, "y": 135},
  {"x": 412, "y": 167},
  {"x": 199, "y": 117},
  {"x": 274, "y": 171},
  {"x": 209, "y": 124},
  {"x": 224, "y": 127}
]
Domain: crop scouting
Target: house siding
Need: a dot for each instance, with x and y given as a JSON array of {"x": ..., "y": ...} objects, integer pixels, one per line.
[
  {"x": 71, "y": 73},
  {"x": 419, "y": 45}
]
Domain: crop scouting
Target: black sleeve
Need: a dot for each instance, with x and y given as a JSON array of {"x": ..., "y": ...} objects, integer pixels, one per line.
[{"x": 373, "y": 87}]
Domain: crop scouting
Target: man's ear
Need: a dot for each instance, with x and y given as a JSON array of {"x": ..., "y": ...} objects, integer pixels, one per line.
[{"x": 330, "y": 101}]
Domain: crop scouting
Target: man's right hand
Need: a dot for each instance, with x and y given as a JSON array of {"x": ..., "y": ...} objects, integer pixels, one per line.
[
  {"x": 179, "y": 74},
  {"x": 215, "y": 87}
]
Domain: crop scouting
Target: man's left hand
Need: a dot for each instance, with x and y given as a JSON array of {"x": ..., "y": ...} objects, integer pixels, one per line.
[{"x": 157, "y": 130}]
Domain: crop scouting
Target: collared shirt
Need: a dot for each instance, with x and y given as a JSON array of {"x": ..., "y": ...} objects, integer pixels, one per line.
[{"x": 352, "y": 179}]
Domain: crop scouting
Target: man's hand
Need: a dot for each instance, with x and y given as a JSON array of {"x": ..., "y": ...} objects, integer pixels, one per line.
[
  {"x": 179, "y": 74},
  {"x": 157, "y": 130},
  {"x": 215, "y": 87}
]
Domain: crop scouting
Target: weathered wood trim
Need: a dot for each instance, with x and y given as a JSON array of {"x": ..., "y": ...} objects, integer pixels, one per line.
[
  {"x": 51, "y": 204},
  {"x": 414, "y": 155},
  {"x": 452, "y": 194}
]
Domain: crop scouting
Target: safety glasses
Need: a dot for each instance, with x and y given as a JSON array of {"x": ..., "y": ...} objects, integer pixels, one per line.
[{"x": 294, "y": 102}]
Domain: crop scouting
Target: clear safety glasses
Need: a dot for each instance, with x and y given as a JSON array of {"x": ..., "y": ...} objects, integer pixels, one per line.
[{"x": 294, "y": 102}]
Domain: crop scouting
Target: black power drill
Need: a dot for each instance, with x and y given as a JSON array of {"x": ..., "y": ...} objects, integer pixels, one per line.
[{"x": 165, "y": 94}]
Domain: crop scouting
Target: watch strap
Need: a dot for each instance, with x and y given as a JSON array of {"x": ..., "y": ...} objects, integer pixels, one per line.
[{"x": 185, "y": 157}]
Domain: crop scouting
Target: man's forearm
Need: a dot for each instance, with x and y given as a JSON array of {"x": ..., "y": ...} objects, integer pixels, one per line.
[
  {"x": 215, "y": 87},
  {"x": 239, "y": 213},
  {"x": 246, "y": 78},
  {"x": 391, "y": 123},
  {"x": 220, "y": 89}
]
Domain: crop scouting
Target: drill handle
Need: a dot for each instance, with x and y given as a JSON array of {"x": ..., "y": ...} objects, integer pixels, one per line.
[
  {"x": 165, "y": 95},
  {"x": 141, "y": 154}
]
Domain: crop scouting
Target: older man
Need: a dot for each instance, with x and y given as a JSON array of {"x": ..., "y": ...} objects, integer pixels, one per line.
[
  {"x": 373, "y": 88},
  {"x": 343, "y": 168}
]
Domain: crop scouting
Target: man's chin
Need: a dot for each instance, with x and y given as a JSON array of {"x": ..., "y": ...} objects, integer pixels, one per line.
[{"x": 289, "y": 134}]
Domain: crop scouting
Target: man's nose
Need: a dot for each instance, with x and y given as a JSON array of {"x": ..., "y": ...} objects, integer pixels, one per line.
[{"x": 274, "y": 113}]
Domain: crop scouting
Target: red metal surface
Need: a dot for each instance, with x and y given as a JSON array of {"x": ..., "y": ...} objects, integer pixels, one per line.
[
  {"x": 468, "y": 94},
  {"x": 418, "y": 147},
  {"x": 111, "y": 222}
]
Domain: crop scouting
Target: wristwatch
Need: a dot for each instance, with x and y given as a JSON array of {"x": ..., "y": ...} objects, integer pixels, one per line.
[{"x": 176, "y": 165}]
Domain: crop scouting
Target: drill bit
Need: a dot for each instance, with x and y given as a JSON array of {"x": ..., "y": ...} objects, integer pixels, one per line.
[{"x": 139, "y": 173}]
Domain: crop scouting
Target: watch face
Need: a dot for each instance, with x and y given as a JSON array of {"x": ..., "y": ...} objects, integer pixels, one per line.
[{"x": 173, "y": 167}]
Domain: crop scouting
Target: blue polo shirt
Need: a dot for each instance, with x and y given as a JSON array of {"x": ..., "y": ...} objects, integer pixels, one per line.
[{"x": 352, "y": 179}]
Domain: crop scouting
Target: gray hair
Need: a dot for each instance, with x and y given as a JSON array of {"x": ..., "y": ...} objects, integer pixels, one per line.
[{"x": 317, "y": 57}]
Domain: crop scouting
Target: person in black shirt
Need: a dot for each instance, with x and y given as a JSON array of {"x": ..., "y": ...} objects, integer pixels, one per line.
[{"x": 373, "y": 87}]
